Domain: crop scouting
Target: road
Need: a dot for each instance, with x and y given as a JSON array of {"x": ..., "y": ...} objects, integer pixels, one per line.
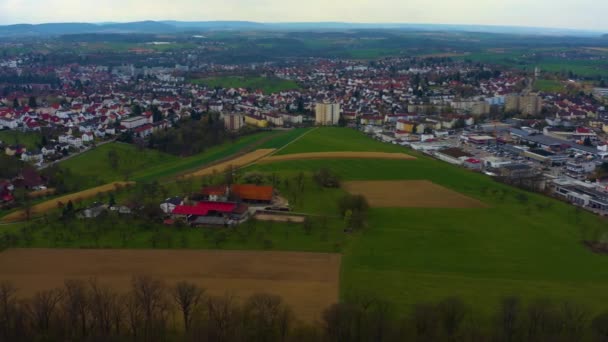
[{"x": 44, "y": 166}]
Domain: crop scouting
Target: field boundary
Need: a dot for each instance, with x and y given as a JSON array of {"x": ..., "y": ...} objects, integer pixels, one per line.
[{"x": 336, "y": 155}]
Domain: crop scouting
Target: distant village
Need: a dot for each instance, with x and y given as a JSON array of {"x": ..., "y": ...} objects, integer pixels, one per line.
[{"x": 475, "y": 116}]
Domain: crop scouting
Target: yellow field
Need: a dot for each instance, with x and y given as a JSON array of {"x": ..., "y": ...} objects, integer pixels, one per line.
[
  {"x": 57, "y": 202},
  {"x": 337, "y": 155},
  {"x": 238, "y": 162},
  {"x": 410, "y": 194}
]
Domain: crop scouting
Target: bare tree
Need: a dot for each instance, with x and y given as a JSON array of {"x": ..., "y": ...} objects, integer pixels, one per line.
[
  {"x": 43, "y": 308},
  {"x": 103, "y": 304},
  {"x": 149, "y": 296},
  {"x": 452, "y": 312},
  {"x": 425, "y": 319},
  {"x": 76, "y": 307},
  {"x": 8, "y": 306},
  {"x": 188, "y": 297},
  {"x": 266, "y": 318},
  {"x": 509, "y": 317},
  {"x": 599, "y": 326},
  {"x": 222, "y": 317},
  {"x": 575, "y": 319}
]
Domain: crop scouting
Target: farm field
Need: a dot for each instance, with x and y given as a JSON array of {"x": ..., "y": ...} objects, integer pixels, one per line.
[
  {"x": 306, "y": 281},
  {"x": 409, "y": 194},
  {"x": 520, "y": 244},
  {"x": 337, "y": 155},
  {"x": 267, "y": 85},
  {"x": 238, "y": 162},
  {"x": 53, "y": 204}
]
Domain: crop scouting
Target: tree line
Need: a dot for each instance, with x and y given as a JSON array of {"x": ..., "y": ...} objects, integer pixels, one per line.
[
  {"x": 150, "y": 310},
  {"x": 191, "y": 136}
]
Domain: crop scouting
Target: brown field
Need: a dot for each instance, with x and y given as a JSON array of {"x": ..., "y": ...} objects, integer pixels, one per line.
[
  {"x": 336, "y": 155},
  {"x": 280, "y": 218},
  {"x": 410, "y": 194},
  {"x": 236, "y": 163},
  {"x": 309, "y": 282},
  {"x": 55, "y": 203}
]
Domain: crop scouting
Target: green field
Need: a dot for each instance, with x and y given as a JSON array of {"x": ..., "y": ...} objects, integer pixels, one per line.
[
  {"x": 30, "y": 140},
  {"x": 549, "y": 86},
  {"x": 267, "y": 85},
  {"x": 93, "y": 168},
  {"x": 337, "y": 139},
  {"x": 528, "y": 247}
]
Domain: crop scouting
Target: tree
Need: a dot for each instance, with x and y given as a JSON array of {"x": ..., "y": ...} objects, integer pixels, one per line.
[
  {"x": 76, "y": 308},
  {"x": 32, "y": 103},
  {"x": 425, "y": 319},
  {"x": 149, "y": 296},
  {"x": 113, "y": 159},
  {"x": 43, "y": 309},
  {"x": 452, "y": 312},
  {"x": 156, "y": 114},
  {"x": 8, "y": 308},
  {"x": 266, "y": 318},
  {"x": 599, "y": 325},
  {"x": 326, "y": 178},
  {"x": 16, "y": 103},
  {"x": 509, "y": 317},
  {"x": 136, "y": 110},
  {"x": 187, "y": 297}
]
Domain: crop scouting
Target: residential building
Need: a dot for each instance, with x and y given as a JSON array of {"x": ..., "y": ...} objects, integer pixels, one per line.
[
  {"x": 327, "y": 114},
  {"x": 256, "y": 120},
  {"x": 135, "y": 122},
  {"x": 234, "y": 122}
]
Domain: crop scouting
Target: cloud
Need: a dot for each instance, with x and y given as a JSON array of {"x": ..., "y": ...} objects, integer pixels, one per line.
[{"x": 586, "y": 14}]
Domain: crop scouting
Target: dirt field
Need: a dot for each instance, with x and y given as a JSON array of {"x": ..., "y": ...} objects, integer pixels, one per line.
[
  {"x": 75, "y": 198},
  {"x": 309, "y": 282},
  {"x": 280, "y": 218},
  {"x": 410, "y": 194},
  {"x": 237, "y": 163},
  {"x": 337, "y": 155}
]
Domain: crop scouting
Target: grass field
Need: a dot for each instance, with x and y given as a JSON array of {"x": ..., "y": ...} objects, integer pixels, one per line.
[
  {"x": 267, "y": 85},
  {"x": 337, "y": 140},
  {"x": 549, "y": 86},
  {"x": 522, "y": 244},
  {"x": 93, "y": 168},
  {"x": 30, "y": 140},
  {"x": 308, "y": 282}
]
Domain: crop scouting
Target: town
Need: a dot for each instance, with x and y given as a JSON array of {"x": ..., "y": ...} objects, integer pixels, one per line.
[{"x": 482, "y": 117}]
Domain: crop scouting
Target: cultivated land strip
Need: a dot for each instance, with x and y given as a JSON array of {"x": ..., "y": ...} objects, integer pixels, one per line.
[{"x": 308, "y": 282}]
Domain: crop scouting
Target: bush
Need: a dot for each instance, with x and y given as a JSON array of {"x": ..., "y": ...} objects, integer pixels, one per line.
[{"x": 326, "y": 178}]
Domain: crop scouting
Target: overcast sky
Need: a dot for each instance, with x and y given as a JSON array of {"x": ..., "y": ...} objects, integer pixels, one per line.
[{"x": 581, "y": 14}]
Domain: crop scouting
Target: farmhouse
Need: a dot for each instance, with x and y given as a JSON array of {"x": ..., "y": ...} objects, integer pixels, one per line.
[
  {"x": 211, "y": 213},
  {"x": 252, "y": 193}
]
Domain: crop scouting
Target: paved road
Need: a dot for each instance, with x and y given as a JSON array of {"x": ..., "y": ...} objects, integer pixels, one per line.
[{"x": 44, "y": 166}]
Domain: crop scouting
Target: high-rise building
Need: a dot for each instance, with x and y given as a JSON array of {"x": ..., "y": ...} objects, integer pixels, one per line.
[
  {"x": 526, "y": 104},
  {"x": 327, "y": 114},
  {"x": 234, "y": 122}
]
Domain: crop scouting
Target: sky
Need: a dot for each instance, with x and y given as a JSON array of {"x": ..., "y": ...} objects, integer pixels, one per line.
[{"x": 577, "y": 14}]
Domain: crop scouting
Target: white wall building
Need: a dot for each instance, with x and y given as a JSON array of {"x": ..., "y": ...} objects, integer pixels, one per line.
[{"x": 327, "y": 114}]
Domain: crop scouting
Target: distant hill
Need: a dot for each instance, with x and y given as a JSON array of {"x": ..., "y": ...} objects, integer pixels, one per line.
[{"x": 54, "y": 29}]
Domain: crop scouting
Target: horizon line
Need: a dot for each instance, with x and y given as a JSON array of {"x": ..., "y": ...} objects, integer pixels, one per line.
[{"x": 313, "y": 22}]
